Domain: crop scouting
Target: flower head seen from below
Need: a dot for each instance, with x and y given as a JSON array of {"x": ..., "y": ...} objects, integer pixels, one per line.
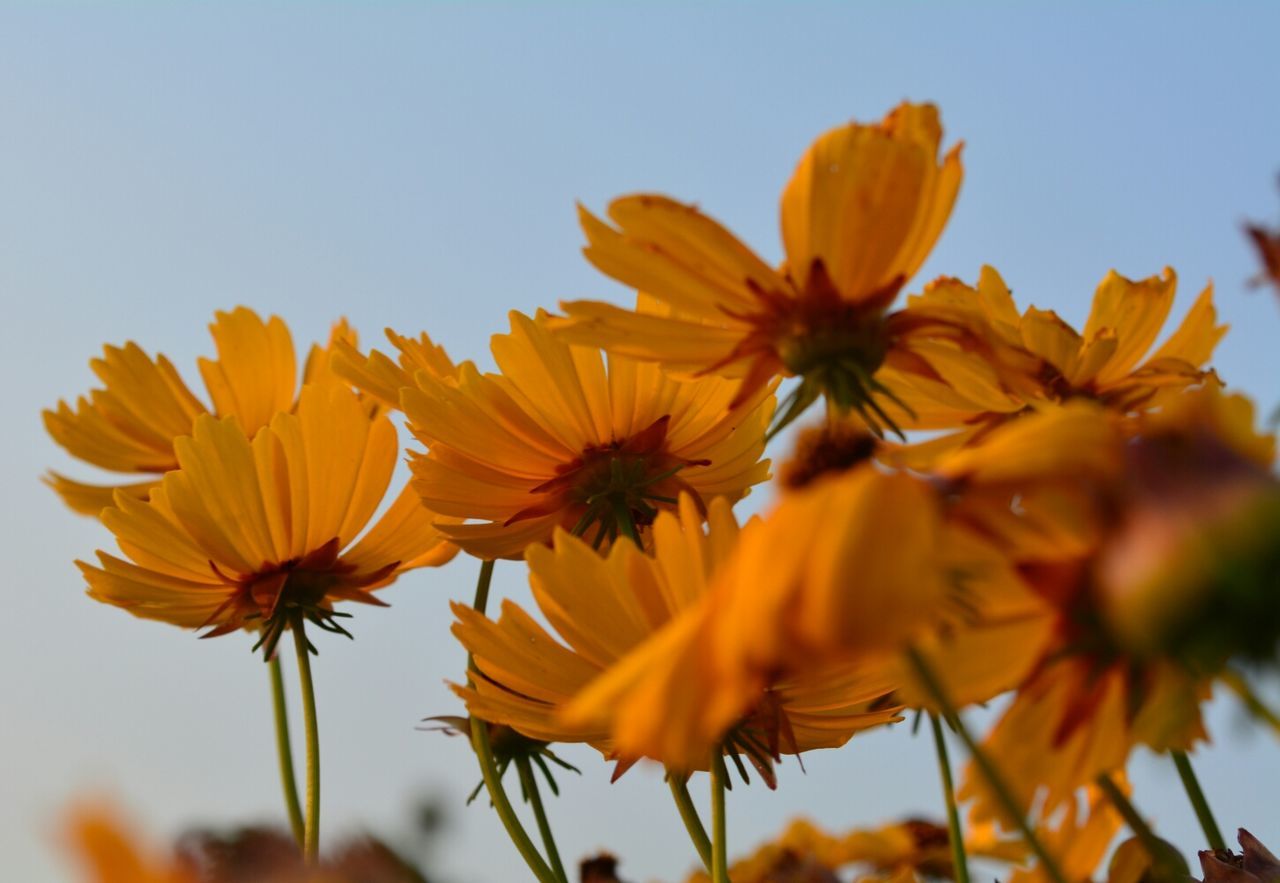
[
  {"x": 1108, "y": 363},
  {"x": 604, "y": 607},
  {"x": 562, "y": 439},
  {"x": 129, "y": 425},
  {"x": 859, "y": 216},
  {"x": 256, "y": 533}
]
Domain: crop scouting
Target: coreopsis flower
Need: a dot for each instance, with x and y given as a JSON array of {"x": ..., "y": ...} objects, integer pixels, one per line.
[
  {"x": 254, "y": 532},
  {"x": 129, "y": 426},
  {"x": 605, "y": 606},
  {"x": 859, "y": 216},
  {"x": 780, "y": 616},
  {"x": 109, "y": 851},
  {"x": 1108, "y": 362},
  {"x": 558, "y": 439}
]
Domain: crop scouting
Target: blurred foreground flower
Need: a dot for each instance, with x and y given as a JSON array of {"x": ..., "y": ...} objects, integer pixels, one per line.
[
  {"x": 268, "y": 532},
  {"x": 130, "y": 425},
  {"x": 859, "y": 216},
  {"x": 604, "y": 607},
  {"x": 901, "y": 851},
  {"x": 559, "y": 441},
  {"x": 109, "y": 851}
]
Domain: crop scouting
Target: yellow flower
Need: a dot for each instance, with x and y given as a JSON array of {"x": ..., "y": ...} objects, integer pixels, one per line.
[
  {"x": 784, "y": 614},
  {"x": 604, "y": 607},
  {"x": 1106, "y": 363},
  {"x": 109, "y": 852},
  {"x": 859, "y": 216},
  {"x": 130, "y": 425},
  {"x": 253, "y": 532},
  {"x": 558, "y": 440}
]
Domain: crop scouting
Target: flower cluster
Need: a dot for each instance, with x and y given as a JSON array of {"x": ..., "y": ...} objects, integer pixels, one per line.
[{"x": 989, "y": 503}]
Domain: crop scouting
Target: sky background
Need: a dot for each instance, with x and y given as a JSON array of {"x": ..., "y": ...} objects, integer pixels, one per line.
[{"x": 417, "y": 167}]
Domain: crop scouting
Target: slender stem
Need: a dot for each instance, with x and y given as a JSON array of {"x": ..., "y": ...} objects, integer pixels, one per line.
[
  {"x": 311, "y": 838},
  {"x": 482, "y": 586},
  {"x": 489, "y": 767},
  {"x": 1238, "y": 685},
  {"x": 530, "y": 785},
  {"x": 958, "y": 857},
  {"x": 284, "y": 751},
  {"x": 719, "y": 842},
  {"x": 1208, "y": 823},
  {"x": 1137, "y": 824},
  {"x": 689, "y": 815},
  {"x": 995, "y": 780}
]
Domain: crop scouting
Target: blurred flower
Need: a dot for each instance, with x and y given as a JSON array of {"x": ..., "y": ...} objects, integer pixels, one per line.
[
  {"x": 859, "y": 216},
  {"x": 900, "y": 851},
  {"x": 1106, "y": 363},
  {"x": 1190, "y": 566},
  {"x": 1266, "y": 241},
  {"x": 603, "y": 607},
  {"x": 130, "y": 425},
  {"x": 109, "y": 851},
  {"x": 1255, "y": 864},
  {"x": 251, "y": 533},
  {"x": 558, "y": 440},
  {"x": 1078, "y": 834},
  {"x": 1096, "y": 690}
]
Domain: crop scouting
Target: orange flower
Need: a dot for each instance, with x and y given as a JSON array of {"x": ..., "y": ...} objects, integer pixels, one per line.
[
  {"x": 130, "y": 425},
  {"x": 110, "y": 853},
  {"x": 257, "y": 532},
  {"x": 604, "y": 607},
  {"x": 560, "y": 440},
  {"x": 859, "y": 216},
  {"x": 1105, "y": 364}
]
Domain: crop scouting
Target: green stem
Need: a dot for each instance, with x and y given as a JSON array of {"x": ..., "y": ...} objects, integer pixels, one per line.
[
  {"x": 689, "y": 815},
  {"x": 1137, "y": 824},
  {"x": 488, "y": 766},
  {"x": 530, "y": 785},
  {"x": 994, "y": 779},
  {"x": 1208, "y": 823},
  {"x": 311, "y": 836},
  {"x": 1237, "y": 684},
  {"x": 284, "y": 751},
  {"x": 958, "y": 857},
  {"x": 719, "y": 834},
  {"x": 482, "y": 586},
  {"x": 489, "y": 770}
]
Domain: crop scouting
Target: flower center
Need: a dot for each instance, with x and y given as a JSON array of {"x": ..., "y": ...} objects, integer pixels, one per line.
[
  {"x": 615, "y": 488},
  {"x": 295, "y": 590}
]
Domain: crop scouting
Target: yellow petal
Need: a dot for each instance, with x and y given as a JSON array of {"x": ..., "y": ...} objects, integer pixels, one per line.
[{"x": 255, "y": 374}]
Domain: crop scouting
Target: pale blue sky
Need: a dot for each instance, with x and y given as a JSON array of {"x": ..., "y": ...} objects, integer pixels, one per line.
[{"x": 417, "y": 166}]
